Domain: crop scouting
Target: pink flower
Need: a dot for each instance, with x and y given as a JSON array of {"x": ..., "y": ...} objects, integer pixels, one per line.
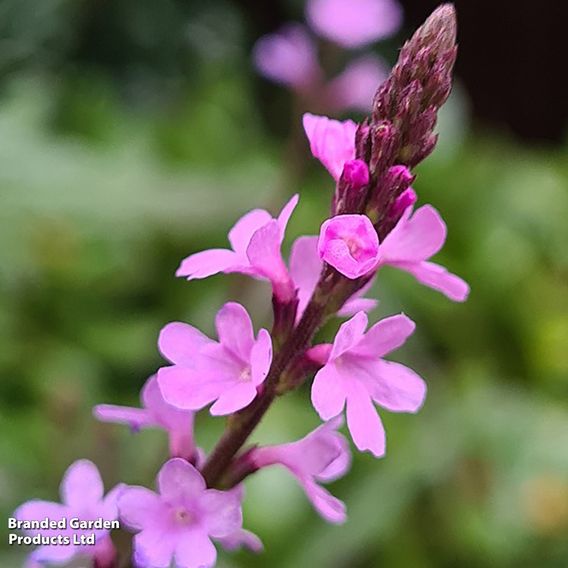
[
  {"x": 82, "y": 497},
  {"x": 305, "y": 269},
  {"x": 256, "y": 240},
  {"x": 228, "y": 372},
  {"x": 177, "y": 523},
  {"x": 415, "y": 239},
  {"x": 355, "y": 87},
  {"x": 323, "y": 455},
  {"x": 155, "y": 413},
  {"x": 350, "y": 244},
  {"x": 353, "y": 23},
  {"x": 332, "y": 142},
  {"x": 356, "y": 374},
  {"x": 288, "y": 57}
]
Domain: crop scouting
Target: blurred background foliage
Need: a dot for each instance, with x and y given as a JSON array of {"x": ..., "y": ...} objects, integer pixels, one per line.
[{"x": 134, "y": 133}]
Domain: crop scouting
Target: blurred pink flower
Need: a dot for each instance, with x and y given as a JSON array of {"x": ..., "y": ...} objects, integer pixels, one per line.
[
  {"x": 323, "y": 455},
  {"x": 332, "y": 142},
  {"x": 155, "y": 411},
  {"x": 288, "y": 57},
  {"x": 356, "y": 374},
  {"x": 228, "y": 372},
  {"x": 354, "y": 23},
  {"x": 350, "y": 244},
  {"x": 415, "y": 239},
  {"x": 178, "y": 522},
  {"x": 256, "y": 240},
  {"x": 356, "y": 86}
]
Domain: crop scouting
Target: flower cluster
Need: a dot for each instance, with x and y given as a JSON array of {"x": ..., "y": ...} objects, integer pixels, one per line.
[
  {"x": 289, "y": 56},
  {"x": 373, "y": 223}
]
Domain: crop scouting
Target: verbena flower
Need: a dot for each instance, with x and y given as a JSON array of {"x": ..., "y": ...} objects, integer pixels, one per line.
[
  {"x": 155, "y": 413},
  {"x": 228, "y": 371},
  {"x": 323, "y": 455},
  {"x": 82, "y": 496},
  {"x": 356, "y": 376},
  {"x": 354, "y": 23},
  {"x": 178, "y": 522},
  {"x": 305, "y": 269},
  {"x": 256, "y": 240},
  {"x": 417, "y": 237},
  {"x": 350, "y": 244}
]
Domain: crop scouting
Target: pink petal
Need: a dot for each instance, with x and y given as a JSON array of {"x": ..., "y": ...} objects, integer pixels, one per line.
[
  {"x": 328, "y": 392},
  {"x": 242, "y": 538},
  {"x": 356, "y": 86},
  {"x": 186, "y": 389},
  {"x": 180, "y": 342},
  {"x": 235, "y": 330},
  {"x": 139, "y": 508},
  {"x": 82, "y": 485},
  {"x": 155, "y": 547},
  {"x": 414, "y": 239},
  {"x": 354, "y": 23},
  {"x": 437, "y": 277},
  {"x": 165, "y": 415},
  {"x": 349, "y": 335},
  {"x": 222, "y": 512},
  {"x": 209, "y": 262},
  {"x": 265, "y": 257},
  {"x": 363, "y": 421},
  {"x": 243, "y": 230},
  {"x": 354, "y": 305},
  {"x": 285, "y": 215},
  {"x": 305, "y": 269},
  {"x": 397, "y": 388},
  {"x": 261, "y": 357},
  {"x": 288, "y": 57},
  {"x": 179, "y": 481},
  {"x": 195, "y": 550},
  {"x": 109, "y": 505},
  {"x": 385, "y": 336},
  {"x": 329, "y": 507},
  {"x": 37, "y": 509},
  {"x": 136, "y": 418},
  {"x": 331, "y": 142},
  {"x": 235, "y": 398},
  {"x": 54, "y": 554}
]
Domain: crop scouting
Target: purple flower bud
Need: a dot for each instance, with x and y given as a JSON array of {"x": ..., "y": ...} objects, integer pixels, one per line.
[{"x": 351, "y": 188}]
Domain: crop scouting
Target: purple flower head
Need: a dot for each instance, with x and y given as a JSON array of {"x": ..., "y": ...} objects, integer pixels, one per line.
[
  {"x": 416, "y": 238},
  {"x": 288, "y": 57},
  {"x": 353, "y": 23},
  {"x": 256, "y": 240},
  {"x": 305, "y": 269},
  {"x": 350, "y": 244},
  {"x": 82, "y": 496},
  {"x": 356, "y": 374},
  {"x": 177, "y": 523},
  {"x": 355, "y": 87},
  {"x": 155, "y": 413},
  {"x": 228, "y": 371},
  {"x": 323, "y": 455},
  {"x": 332, "y": 142}
]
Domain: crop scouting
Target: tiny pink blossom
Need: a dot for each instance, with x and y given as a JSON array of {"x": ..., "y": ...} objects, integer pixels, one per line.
[
  {"x": 353, "y": 23},
  {"x": 82, "y": 496},
  {"x": 332, "y": 142},
  {"x": 177, "y": 523},
  {"x": 356, "y": 374},
  {"x": 288, "y": 57},
  {"x": 412, "y": 242},
  {"x": 229, "y": 371},
  {"x": 305, "y": 269},
  {"x": 355, "y": 87},
  {"x": 256, "y": 240},
  {"x": 323, "y": 455},
  {"x": 350, "y": 244},
  {"x": 155, "y": 413}
]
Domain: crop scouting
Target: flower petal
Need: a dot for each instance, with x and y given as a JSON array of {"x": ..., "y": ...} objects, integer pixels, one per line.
[
  {"x": 164, "y": 414},
  {"x": 261, "y": 357},
  {"x": 285, "y": 215},
  {"x": 235, "y": 331},
  {"x": 180, "y": 343},
  {"x": 37, "y": 509},
  {"x": 187, "y": 390},
  {"x": 242, "y": 538},
  {"x": 209, "y": 262},
  {"x": 195, "y": 550},
  {"x": 82, "y": 485},
  {"x": 349, "y": 335},
  {"x": 179, "y": 480},
  {"x": 222, "y": 510},
  {"x": 140, "y": 508},
  {"x": 305, "y": 269},
  {"x": 329, "y": 507},
  {"x": 328, "y": 392},
  {"x": 385, "y": 336},
  {"x": 243, "y": 230},
  {"x": 363, "y": 421},
  {"x": 136, "y": 418},
  {"x": 235, "y": 398},
  {"x": 154, "y": 548}
]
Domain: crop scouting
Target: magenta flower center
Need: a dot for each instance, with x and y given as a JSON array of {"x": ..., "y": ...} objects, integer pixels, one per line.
[
  {"x": 358, "y": 248},
  {"x": 246, "y": 374},
  {"x": 182, "y": 516}
]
